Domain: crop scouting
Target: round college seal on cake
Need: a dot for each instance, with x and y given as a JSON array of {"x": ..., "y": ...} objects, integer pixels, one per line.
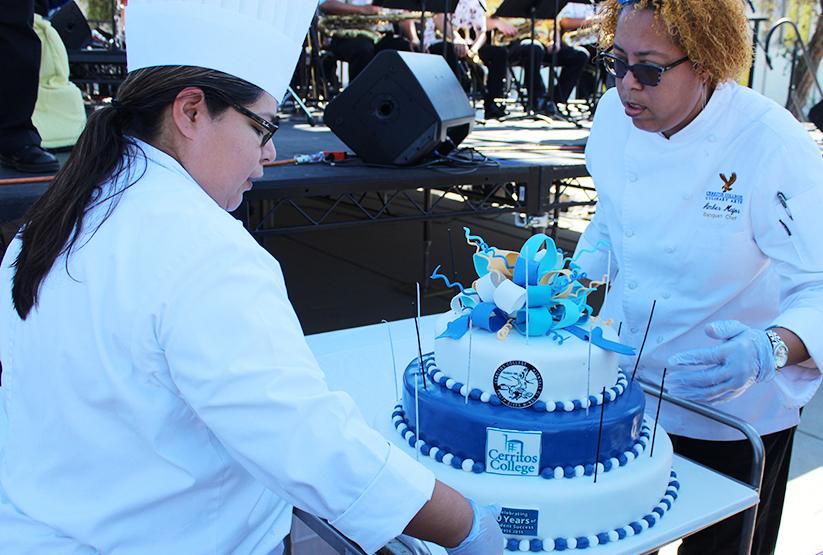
[{"x": 518, "y": 384}]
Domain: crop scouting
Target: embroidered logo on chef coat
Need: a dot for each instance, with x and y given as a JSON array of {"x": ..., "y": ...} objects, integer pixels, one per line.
[
  {"x": 723, "y": 204},
  {"x": 518, "y": 384}
]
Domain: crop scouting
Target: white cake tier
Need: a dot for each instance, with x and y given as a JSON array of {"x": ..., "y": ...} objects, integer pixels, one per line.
[
  {"x": 564, "y": 368},
  {"x": 621, "y": 503}
]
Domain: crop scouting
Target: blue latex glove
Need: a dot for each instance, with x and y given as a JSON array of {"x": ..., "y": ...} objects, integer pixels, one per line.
[
  {"x": 485, "y": 537},
  {"x": 725, "y": 371}
]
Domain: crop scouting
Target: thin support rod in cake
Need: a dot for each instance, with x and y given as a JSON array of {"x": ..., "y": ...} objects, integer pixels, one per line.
[
  {"x": 419, "y": 346},
  {"x": 526, "y": 260},
  {"x": 589, "y": 371},
  {"x": 608, "y": 282},
  {"x": 599, "y": 434},
  {"x": 393, "y": 360},
  {"x": 643, "y": 344},
  {"x": 451, "y": 254},
  {"x": 657, "y": 416},
  {"x": 469, "y": 366}
]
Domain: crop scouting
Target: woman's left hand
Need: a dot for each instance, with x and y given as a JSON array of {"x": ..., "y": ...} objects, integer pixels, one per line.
[{"x": 727, "y": 370}]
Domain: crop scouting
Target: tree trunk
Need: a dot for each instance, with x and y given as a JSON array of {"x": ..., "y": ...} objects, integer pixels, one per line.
[{"x": 803, "y": 76}]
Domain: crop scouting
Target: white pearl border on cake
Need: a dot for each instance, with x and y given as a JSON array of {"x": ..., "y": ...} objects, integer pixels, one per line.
[
  {"x": 440, "y": 378},
  {"x": 634, "y": 528},
  {"x": 469, "y": 465}
]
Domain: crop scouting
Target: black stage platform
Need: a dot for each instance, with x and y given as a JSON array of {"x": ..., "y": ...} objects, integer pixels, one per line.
[
  {"x": 341, "y": 273},
  {"x": 523, "y": 163}
]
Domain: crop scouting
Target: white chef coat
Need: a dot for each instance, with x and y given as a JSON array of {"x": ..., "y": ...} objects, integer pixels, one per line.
[
  {"x": 161, "y": 397},
  {"x": 706, "y": 254}
]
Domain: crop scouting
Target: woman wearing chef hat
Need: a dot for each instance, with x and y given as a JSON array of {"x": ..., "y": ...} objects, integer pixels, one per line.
[
  {"x": 708, "y": 199},
  {"x": 159, "y": 392}
]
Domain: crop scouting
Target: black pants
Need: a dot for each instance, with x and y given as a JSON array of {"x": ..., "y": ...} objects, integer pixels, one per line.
[
  {"x": 19, "y": 74},
  {"x": 733, "y": 458},
  {"x": 571, "y": 59},
  {"x": 495, "y": 58},
  {"x": 358, "y": 51}
]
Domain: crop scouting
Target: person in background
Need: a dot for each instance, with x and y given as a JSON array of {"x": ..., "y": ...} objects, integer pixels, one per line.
[
  {"x": 532, "y": 56},
  {"x": 20, "y": 71},
  {"x": 709, "y": 199},
  {"x": 160, "y": 395},
  {"x": 468, "y": 52},
  {"x": 359, "y": 46},
  {"x": 578, "y": 20}
]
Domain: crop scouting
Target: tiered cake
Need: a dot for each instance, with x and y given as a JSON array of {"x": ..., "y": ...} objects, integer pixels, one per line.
[{"x": 511, "y": 404}]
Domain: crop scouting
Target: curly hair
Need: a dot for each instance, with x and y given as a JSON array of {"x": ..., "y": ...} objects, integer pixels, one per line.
[{"x": 714, "y": 34}]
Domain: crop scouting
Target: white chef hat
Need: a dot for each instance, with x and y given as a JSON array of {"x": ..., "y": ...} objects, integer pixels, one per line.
[{"x": 256, "y": 40}]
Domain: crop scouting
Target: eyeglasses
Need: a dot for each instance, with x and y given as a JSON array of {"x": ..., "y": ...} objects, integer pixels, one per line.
[
  {"x": 266, "y": 127},
  {"x": 646, "y": 73}
]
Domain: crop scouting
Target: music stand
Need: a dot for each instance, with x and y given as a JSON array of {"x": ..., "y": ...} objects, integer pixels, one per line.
[{"x": 534, "y": 10}]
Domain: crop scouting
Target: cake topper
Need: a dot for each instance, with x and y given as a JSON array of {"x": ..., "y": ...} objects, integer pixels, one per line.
[{"x": 536, "y": 291}]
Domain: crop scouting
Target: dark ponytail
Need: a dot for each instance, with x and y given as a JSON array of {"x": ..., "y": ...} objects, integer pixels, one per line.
[{"x": 55, "y": 221}]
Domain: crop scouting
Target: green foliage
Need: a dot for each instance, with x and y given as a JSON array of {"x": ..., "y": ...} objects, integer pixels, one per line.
[{"x": 98, "y": 9}]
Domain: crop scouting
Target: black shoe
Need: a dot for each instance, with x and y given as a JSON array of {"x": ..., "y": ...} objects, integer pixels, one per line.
[
  {"x": 31, "y": 159},
  {"x": 494, "y": 111}
]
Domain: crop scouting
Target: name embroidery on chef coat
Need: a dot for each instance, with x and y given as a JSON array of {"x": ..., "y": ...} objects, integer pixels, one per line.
[{"x": 723, "y": 204}]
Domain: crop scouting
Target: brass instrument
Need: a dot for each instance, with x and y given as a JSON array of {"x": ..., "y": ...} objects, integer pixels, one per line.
[
  {"x": 584, "y": 36},
  {"x": 543, "y": 32},
  {"x": 331, "y": 23}
]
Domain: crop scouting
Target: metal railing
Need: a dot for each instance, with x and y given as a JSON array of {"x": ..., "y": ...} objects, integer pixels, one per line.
[
  {"x": 758, "y": 452},
  {"x": 798, "y": 44}
]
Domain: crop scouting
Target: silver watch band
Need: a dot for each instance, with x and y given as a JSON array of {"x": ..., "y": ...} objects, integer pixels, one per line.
[{"x": 779, "y": 348}]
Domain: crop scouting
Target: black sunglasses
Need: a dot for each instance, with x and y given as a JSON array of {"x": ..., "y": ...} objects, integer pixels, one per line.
[
  {"x": 266, "y": 127},
  {"x": 646, "y": 73}
]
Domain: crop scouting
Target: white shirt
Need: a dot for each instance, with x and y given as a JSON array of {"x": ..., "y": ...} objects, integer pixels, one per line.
[
  {"x": 468, "y": 15},
  {"x": 573, "y": 10},
  {"x": 676, "y": 239},
  {"x": 161, "y": 397}
]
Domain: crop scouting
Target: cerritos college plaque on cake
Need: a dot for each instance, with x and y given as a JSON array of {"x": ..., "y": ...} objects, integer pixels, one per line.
[
  {"x": 518, "y": 384},
  {"x": 512, "y": 452}
]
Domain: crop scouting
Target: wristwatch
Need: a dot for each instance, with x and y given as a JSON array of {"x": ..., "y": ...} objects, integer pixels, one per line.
[{"x": 779, "y": 348}]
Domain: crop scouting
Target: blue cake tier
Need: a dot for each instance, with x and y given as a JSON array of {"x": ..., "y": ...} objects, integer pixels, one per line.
[{"x": 567, "y": 438}]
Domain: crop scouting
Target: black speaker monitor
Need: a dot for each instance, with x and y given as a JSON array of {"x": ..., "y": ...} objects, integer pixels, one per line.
[
  {"x": 401, "y": 108},
  {"x": 71, "y": 25}
]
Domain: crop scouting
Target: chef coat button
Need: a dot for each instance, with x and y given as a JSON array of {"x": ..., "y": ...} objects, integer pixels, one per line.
[
  {"x": 687, "y": 196},
  {"x": 669, "y": 249},
  {"x": 634, "y": 330},
  {"x": 632, "y": 285},
  {"x": 629, "y": 233},
  {"x": 667, "y": 295},
  {"x": 632, "y": 177},
  {"x": 711, "y": 138},
  {"x": 660, "y": 339}
]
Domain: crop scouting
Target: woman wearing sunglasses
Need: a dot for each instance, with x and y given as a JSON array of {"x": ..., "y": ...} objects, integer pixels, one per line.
[
  {"x": 709, "y": 199},
  {"x": 160, "y": 395}
]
